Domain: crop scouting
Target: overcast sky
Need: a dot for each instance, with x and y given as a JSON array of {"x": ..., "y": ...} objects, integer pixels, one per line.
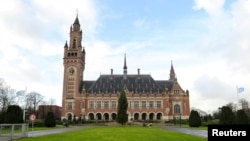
[{"x": 207, "y": 40}]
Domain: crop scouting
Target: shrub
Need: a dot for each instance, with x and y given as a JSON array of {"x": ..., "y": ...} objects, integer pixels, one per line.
[
  {"x": 50, "y": 120},
  {"x": 36, "y": 123}
]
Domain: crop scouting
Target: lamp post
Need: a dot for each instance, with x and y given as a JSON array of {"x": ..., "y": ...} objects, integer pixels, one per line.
[
  {"x": 180, "y": 119},
  {"x": 24, "y": 114},
  {"x": 174, "y": 120}
]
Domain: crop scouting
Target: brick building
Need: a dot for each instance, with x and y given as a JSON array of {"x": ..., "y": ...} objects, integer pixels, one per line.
[
  {"x": 44, "y": 109},
  {"x": 148, "y": 99}
]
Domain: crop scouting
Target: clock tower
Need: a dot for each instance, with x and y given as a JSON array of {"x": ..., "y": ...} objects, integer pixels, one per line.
[{"x": 74, "y": 64}]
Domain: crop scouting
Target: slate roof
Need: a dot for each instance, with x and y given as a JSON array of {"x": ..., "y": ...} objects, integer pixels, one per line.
[{"x": 134, "y": 83}]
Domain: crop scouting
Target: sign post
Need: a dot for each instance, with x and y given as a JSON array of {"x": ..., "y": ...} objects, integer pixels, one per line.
[{"x": 32, "y": 118}]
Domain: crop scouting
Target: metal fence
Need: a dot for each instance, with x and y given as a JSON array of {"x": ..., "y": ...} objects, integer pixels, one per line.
[{"x": 9, "y": 132}]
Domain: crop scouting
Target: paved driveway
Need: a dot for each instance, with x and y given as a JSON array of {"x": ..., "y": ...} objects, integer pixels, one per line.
[{"x": 196, "y": 132}]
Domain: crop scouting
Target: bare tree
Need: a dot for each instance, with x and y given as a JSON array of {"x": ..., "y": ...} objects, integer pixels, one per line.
[
  {"x": 7, "y": 96},
  {"x": 232, "y": 106},
  {"x": 244, "y": 104},
  {"x": 33, "y": 99}
]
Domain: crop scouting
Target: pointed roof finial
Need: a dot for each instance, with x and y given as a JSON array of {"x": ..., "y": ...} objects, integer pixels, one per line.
[
  {"x": 76, "y": 20},
  {"x": 125, "y": 68},
  {"x": 125, "y": 63}
]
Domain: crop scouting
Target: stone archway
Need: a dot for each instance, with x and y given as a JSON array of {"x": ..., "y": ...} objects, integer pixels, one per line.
[
  {"x": 136, "y": 116},
  {"x": 91, "y": 116},
  {"x": 99, "y": 116},
  {"x": 69, "y": 116},
  {"x": 151, "y": 116},
  {"x": 158, "y": 116},
  {"x": 113, "y": 115},
  {"x": 106, "y": 116},
  {"x": 144, "y": 116}
]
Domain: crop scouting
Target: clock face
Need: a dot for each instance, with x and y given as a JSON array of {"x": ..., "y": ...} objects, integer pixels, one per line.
[{"x": 71, "y": 71}]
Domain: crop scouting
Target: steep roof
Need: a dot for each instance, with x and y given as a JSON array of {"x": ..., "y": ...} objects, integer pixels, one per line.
[
  {"x": 76, "y": 22},
  {"x": 134, "y": 83}
]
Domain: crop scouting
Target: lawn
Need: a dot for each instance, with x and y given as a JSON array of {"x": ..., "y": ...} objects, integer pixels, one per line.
[{"x": 114, "y": 133}]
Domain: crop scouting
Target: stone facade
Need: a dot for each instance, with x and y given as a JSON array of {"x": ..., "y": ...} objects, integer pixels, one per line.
[{"x": 148, "y": 99}]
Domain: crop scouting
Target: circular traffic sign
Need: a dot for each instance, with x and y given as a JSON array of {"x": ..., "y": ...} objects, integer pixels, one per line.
[{"x": 32, "y": 117}]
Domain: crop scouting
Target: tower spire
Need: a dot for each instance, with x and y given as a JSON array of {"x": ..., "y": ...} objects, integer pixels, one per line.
[
  {"x": 125, "y": 67},
  {"x": 172, "y": 75},
  {"x": 76, "y": 22},
  {"x": 66, "y": 45}
]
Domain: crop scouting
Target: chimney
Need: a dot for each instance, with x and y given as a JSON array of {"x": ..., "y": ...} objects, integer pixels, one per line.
[
  {"x": 138, "y": 71},
  {"x": 111, "y": 71}
]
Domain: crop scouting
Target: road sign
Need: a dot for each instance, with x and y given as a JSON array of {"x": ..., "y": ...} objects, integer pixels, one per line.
[{"x": 32, "y": 117}]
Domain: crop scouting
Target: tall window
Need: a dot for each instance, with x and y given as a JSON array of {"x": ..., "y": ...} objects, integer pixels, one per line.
[
  {"x": 176, "y": 91},
  {"x": 158, "y": 104},
  {"x": 136, "y": 104},
  {"x": 98, "y": 104},
  {"x": 91, "y": 104},
  {"x": 106, "y": 104},
  {"x": 113, "y": 104},
  {"x": 69, "y": 106},
  {"x": 74, "y": 43},
  {"x": 151, "y": 104},
  {"x": 177, "y": 109},
  {"x": 143, "y": 104}
]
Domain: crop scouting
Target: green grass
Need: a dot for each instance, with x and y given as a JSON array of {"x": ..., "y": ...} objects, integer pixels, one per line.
[{"x": 126, "y": 133}]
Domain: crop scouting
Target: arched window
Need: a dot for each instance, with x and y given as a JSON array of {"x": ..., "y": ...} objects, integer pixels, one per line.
[
  {"x": 74, "y": 43},
  {"x": 177, "y": 109}
]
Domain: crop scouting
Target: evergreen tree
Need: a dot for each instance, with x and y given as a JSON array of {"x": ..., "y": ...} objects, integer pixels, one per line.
[
  {"x": 227, "y": 116},
  {"x": 50, "y": 120},
  {"x": 14, "y": 114},
  {"x": 242, "y": 117},
  {"x": 2, "y": 117},
  {"x": 122, "y": 116},
  {"x": 194, "y": 119}
]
